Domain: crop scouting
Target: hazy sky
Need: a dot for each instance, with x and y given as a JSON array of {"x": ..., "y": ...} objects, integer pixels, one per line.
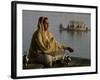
[{"x": 30, "y": 20}]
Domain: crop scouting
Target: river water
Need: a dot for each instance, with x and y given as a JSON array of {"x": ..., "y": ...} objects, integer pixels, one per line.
[{"x": 79, "y": 41}]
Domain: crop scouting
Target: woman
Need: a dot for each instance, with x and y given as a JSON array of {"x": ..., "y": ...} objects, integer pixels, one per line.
[{"x": 44, "y": 48}]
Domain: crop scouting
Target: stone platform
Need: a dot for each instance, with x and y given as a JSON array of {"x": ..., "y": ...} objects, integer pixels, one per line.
[{"x": 75, "y": 62}]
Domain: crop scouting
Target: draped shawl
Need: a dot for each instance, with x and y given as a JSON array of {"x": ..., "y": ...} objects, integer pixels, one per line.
[{"x": 39, "y": 42}]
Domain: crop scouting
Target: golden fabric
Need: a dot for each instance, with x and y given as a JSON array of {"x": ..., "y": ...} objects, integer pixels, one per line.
[{"x": 44, "y": 42}]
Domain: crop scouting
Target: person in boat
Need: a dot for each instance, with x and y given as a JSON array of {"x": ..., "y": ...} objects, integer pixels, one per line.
[{"x": 44, "y": 48}]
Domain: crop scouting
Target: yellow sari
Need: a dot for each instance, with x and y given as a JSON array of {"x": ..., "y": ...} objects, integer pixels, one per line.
[
  {"x": 46, "y": 44},
  {"x": 44, "y": 48}
]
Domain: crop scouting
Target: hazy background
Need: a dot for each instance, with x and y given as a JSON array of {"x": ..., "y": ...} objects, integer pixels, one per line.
[{"x": 80, "y": 41}]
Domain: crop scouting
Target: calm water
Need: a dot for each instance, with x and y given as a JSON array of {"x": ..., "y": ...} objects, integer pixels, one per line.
[{"x": 79, "y": 41}]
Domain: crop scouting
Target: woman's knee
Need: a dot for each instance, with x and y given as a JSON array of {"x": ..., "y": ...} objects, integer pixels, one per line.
[{"x": 48, "y": 60}]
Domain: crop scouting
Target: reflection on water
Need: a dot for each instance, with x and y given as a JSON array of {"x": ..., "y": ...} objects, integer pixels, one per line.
[
  {"x": 79, "y": 40},
  {"x": 76, "y": 33}
]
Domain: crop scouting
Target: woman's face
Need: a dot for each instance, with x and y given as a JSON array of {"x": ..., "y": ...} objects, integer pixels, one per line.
[{"x": 46, "y": 24}]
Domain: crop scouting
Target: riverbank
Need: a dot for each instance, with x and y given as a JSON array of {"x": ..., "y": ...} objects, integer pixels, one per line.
[{"x": 75, "y": 62}]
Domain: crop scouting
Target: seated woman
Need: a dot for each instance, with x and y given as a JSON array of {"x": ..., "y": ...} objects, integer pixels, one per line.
[{"x": 44, "y": 48}]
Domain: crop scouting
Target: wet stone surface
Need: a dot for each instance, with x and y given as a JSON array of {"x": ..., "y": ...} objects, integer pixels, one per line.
[{"x": 75, "y": 62}]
